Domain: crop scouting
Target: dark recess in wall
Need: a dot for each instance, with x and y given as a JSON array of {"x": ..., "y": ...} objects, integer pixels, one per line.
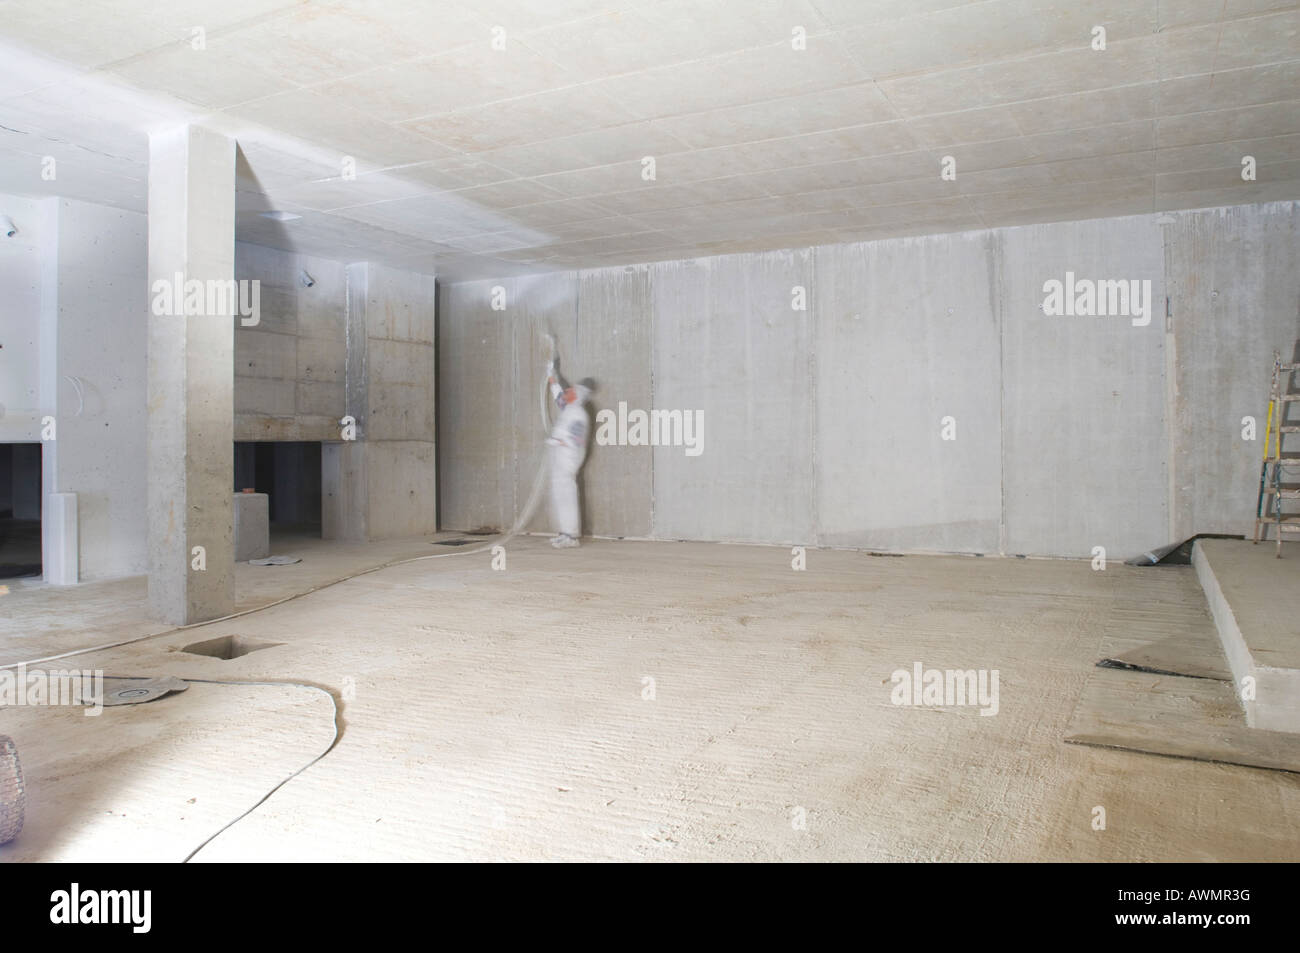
[
  {"x": 20, "y": 510},
  {"x": 290, "y": 474}
]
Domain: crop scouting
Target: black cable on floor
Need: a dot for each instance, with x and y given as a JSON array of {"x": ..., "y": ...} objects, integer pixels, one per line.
[{"x": 214, "y": 681}]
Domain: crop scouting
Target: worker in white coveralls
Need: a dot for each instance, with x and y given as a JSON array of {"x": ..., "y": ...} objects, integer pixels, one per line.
[{"x": 567, "y": 447}]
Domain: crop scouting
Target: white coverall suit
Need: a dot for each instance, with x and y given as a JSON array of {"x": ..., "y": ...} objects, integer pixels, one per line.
[{"x": 567, "y": 447}]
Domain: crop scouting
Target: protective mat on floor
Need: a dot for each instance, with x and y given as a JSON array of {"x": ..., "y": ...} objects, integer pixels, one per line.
[
  {"x": 1189, "y": 653},
  {"x": 152, "y": 782},
  {"x": 1197, "y": 718}
]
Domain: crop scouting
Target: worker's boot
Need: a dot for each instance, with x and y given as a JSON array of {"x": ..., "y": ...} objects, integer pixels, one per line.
[{"x": 564, "y": 542}]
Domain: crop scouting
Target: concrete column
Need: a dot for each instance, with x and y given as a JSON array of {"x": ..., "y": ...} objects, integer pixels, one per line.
[{"x": 191, "y": 374}]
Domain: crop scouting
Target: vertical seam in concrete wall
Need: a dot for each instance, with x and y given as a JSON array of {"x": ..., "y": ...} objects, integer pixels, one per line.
[
  {"x": 356, "y": 395},
  {"x": 437, "y": 407},
  {"x": 584, "y": 353},
  {"x": 651, "y": 334},
  {"x": 997, "y": 292},
  {"x": 48, "y": 346},
  {"x": 47, "y": 395},
  {"x": 513, "y": 288},
  {"x": 813, "y": 492},
  {"x": 1171, "y": 389}
]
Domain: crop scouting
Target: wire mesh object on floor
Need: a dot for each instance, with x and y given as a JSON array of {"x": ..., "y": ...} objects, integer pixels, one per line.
[{"x": 13, "y": 799}]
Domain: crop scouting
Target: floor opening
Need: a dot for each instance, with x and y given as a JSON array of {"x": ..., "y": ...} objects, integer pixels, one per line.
[{"x": 228, "y": 647}]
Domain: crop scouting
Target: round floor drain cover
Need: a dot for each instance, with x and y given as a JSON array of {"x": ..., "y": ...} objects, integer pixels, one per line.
[{"x": 135, "y": 691}]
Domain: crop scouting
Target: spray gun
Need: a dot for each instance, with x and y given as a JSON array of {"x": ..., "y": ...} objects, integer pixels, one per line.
[
  {"x": 546, "y": 383},
  {"x": 554, "y": 364}
]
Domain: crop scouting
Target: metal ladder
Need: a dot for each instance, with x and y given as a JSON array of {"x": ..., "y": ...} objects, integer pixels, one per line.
[{"x": 1279, "y": 475}]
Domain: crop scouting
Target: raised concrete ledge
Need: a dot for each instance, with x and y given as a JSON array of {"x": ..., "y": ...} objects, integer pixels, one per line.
[{"x": 1254, "y": 598}]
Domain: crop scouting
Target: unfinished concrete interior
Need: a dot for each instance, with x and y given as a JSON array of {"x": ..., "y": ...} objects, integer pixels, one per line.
[{"x": 937, "y": 496}]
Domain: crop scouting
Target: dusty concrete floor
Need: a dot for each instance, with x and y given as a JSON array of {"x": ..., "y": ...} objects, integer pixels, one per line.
[{"x": 504, "y": 714}]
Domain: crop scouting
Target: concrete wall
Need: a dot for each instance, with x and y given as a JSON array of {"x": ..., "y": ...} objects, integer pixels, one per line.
[
  {"x": 290, "y": 367},
  {"x": 1234, "y": 275},
  {"x": 825, "y": 426},
  {"x": 383, "y": 485},
  {"x": 729, "y": 343},
  {"x": 908, "y": 334},
  {"x": 1083, "y": 398},
  {"x": 490, "y": 368},
  {"x": 358, "y": 342},
  {"x": 73, "y": 298},
  {"x": 28, "y": 284},
  {"x": 399, "y": 425},
  {"x": 476, "y": 382},
  {"x": 73, "y": 306},
  {"x": 99, "y": 453},
  {"x": 20, "y": 319}
]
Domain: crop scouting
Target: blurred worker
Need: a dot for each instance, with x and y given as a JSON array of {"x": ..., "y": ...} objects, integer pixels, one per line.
[{"x": 567, "y": 447}]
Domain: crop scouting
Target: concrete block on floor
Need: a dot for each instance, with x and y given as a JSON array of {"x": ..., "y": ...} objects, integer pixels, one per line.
[
  {"x": 252, "y": 526},
  {"x": 60, "y": 544}
]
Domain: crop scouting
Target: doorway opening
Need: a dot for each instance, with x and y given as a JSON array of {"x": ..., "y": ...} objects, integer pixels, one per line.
[
  {"x": 289, "y": 474},
  {"x": 20, "y": 510}
]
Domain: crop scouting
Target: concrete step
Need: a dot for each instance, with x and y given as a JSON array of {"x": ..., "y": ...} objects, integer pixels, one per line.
[{"x": 1254, "y": 598}]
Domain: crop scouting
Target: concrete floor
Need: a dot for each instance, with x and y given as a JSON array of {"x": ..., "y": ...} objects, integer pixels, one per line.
[{"x": 503, "y": 715}]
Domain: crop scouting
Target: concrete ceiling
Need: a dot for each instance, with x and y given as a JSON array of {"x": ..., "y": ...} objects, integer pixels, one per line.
[{"x": 473, "y": 161}]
